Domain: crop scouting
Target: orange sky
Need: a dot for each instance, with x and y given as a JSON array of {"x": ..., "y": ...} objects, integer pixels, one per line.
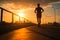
[{"x": 28, "y": 11}]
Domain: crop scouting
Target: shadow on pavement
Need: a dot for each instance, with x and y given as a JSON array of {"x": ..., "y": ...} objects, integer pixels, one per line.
[{"x": 5, "y": 27}]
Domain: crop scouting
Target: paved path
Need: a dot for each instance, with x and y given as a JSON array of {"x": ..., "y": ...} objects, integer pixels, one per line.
[{"x": 33, "y": 33}]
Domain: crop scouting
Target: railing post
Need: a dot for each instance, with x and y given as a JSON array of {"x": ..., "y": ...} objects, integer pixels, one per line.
[
  {"x": 1, "y": 15},
  {"x": 24, "y": 20},
  {"x": 12, "y": 18},
  {"x": 19, "y": 19}
]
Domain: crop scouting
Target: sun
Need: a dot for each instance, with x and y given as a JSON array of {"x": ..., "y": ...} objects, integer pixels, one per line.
[{"x": 21, "y": 15}]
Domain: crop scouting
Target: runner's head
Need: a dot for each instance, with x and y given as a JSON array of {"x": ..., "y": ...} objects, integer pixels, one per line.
[{"x": 38, "y": 4}]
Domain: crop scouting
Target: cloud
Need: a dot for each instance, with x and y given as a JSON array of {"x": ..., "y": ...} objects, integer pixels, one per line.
[
  {"x": 43, "y": 2},
  {"x": 21, "y": 4},
  {"x": 18, "y": 4}
]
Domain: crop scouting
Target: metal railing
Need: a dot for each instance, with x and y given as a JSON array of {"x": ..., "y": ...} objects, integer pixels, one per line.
[{"x": 2, "y": 9}]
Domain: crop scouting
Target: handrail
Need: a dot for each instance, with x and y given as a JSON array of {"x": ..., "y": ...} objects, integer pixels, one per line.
[{"x": 12, "y": 15}]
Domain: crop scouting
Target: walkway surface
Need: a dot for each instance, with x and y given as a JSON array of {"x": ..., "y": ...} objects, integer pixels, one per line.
[{"x": 33, "y": 33}]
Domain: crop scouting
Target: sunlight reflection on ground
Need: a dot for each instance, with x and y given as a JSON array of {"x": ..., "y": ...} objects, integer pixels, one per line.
[{"x": 22, "y": 34}]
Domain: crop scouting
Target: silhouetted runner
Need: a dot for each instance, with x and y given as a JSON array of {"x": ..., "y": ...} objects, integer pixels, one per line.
[{"x": 38, "y": 11}]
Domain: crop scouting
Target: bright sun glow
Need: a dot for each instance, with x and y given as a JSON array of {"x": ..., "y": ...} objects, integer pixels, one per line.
[{"x": 21, "y": 15}]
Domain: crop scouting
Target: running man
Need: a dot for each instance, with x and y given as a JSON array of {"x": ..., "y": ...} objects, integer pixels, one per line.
[{"x": 38, "y": 11}]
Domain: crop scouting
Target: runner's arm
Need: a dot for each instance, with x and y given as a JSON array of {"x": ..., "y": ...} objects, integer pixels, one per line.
[{"x": 42, "y": 10}]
